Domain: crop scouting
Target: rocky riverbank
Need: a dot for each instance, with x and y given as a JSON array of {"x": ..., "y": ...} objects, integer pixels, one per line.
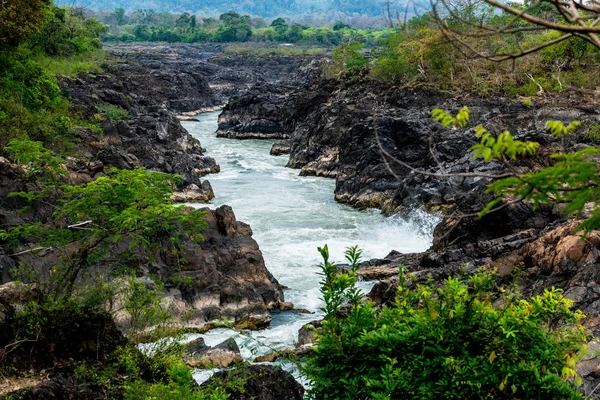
[
  {"x": 226, "y": 274},
  {"x": 136, "y": 99},
  {"x": 355, "y": 133}
]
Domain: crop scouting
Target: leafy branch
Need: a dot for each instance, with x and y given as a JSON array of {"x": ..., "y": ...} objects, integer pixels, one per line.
[{"x": 124, "y": 204}]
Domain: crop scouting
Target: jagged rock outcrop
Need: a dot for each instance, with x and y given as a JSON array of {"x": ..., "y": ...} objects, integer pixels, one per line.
[
  {"x": 264, "y": 109},
  {"x": 223, "y": 277},
  {"x": 254, "y": 115},
  {"x": 150, "y": 136},
  {"x": 280, "y": 148},
  {"x": 226, "y": 74},
  {"x": 228, "y": 274},
  {"x": 354, "y": 134}
]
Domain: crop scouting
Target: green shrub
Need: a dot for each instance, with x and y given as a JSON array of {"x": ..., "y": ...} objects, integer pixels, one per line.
[
  {"x": 179, "y": 386},
  {"x": 461, "y": 340},
  {"x": 114, "y": 112},
  {"x": 593, "y": 131}
]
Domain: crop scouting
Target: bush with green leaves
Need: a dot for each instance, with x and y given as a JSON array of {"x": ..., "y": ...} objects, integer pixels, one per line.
[
  {"x": 463, "y": 339},
  {"x": 113, "y": 112},
  {"x": 124, "y": 204},
  {"x": 180, "y": 385},
  {"x": 31, "y": 103}
]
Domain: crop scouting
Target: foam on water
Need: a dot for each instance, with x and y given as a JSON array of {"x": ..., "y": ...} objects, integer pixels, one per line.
[{"x": 290, "y": 217}]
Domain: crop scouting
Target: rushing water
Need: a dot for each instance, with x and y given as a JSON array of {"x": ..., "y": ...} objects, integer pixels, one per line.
[{"x": 290, "y": 217}]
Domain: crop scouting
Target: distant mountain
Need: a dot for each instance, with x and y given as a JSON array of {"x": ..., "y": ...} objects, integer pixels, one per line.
[{"x": 330, "y": 9}]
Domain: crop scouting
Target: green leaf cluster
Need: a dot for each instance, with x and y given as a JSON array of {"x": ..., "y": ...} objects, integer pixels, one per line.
[
  {"x": 460, "y": 121},
  {"x": 501, "y": 147},
  {"x": 573, "y": 180},
  {"x": 31, "y": 103},
  {"x": 461, "y": 340},
  {"x": 124, "y": 204},
  {"x": 558, "y": 129}
]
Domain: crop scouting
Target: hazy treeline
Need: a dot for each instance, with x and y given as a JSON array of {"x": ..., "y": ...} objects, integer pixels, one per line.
[
  {"x": 363, "y": 14},
  {"x": 153, "y": 26}
]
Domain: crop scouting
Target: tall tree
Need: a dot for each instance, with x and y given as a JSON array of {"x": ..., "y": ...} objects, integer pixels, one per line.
[{"x": 19, "y": 19}]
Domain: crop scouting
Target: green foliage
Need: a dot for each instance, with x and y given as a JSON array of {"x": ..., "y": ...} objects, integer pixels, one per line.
[
  {"x": 135, "y": 203},
  {"x": 144, "y": 306},
  {"x": 179, "y": 386},
  {"x": 255, "y": 51},
  {"x": 231, "y": 27},
  {"x": 348, "y": 55},
  {"x": 113, "y": 112},
  {"x": 20, "y": 20},
  {"x": 558, "y": 129},
  {"x": 593, "y": 131},
  {"x": 501, "y": 147},
  {"x": 67, "y": 32},
  {"x": 31, "y": 103},
  {"x": 460, "y": 340},
  {"x": 573, "y": 180},
  {"x": 527, "y": 102},
  {"x": 460, "y": 121},
  {"x": 22, "y": 78},
  {"x": 123, "y": 204},
  {"x": 73, "y": 65},
  {"x": 35, "y": 155}
]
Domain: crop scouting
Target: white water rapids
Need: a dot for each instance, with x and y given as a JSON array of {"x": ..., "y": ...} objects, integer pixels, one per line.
[{"x": 290, "y": 217}]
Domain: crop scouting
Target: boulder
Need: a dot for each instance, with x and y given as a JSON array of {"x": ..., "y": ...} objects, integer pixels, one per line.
[
  {"x": 222, "y": 355},
  {"x": 194, "y": 194},
  {"x": 307, "y": 334},
  {"x": 280, "y": 148}
]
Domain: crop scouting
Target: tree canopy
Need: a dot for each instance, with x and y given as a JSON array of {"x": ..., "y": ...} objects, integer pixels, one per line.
[{"x": 20, "y": 19}]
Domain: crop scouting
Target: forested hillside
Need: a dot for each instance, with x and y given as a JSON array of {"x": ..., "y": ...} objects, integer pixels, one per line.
[{"x": 329, "y": 9}]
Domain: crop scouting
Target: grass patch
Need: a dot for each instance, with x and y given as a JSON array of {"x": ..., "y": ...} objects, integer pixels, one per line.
[
  {"x": 74, "y": 65},
  {"x": 282, "y": 51},
  {"x": 114, "y": 112}
]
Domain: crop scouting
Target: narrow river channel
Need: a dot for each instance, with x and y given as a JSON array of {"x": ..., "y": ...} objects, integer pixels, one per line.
[{"x": 290, "y": 217}]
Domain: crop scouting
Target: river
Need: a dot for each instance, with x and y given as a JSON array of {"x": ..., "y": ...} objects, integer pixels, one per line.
[{"x": 291, "y": 216}]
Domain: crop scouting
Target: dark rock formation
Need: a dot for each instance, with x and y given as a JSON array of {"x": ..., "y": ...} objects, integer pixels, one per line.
[
  {"x": 264, "y": 109},
  {"x": 223, "y": 277},
  {"x": 195, "y": 194},
  {"x": 308, "y": 333},
  {"x": 226, "y": 75},
  {"x": 259, "y": 382},
  {"x": 254, "y": 115},
  {"x": 228, "y": 274},
  {"x": 151, "y": 136}
]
